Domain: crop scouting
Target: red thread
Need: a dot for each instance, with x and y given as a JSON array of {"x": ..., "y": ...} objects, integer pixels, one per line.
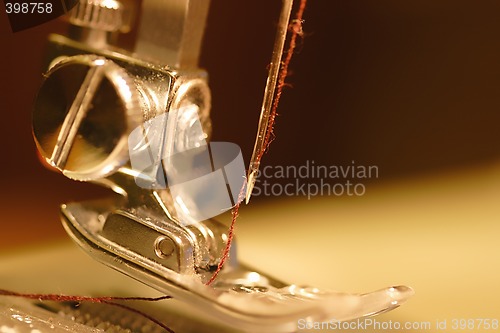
[
  {"x": 230, "y": 235},
  {"x": 104, "y": 300},
  {"x": 296, "y": 28},
  {"x": 71, "y": 298}
]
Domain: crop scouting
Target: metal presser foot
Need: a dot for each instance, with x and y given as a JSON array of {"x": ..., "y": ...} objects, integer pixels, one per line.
[{"x": 121, "y": 119}]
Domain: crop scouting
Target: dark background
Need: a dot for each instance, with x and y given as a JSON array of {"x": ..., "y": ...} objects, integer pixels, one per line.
[{"x": 410, "y": 86}]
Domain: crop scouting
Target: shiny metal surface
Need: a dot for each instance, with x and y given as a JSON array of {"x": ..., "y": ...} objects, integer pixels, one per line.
[
  {"x": 77, "y": 112},
  {"x": 104, "y": 15},
  {"x": 82, "y": 115},
  {"x": 99, "y": 22},
  {"x": 171, "y": 31}
]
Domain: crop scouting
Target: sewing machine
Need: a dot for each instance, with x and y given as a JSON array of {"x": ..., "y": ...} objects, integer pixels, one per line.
[{"x": 86, "y": 143}]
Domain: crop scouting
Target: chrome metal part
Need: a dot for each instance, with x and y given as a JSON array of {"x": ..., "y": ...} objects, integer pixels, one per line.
[
  {"x": 98, "y": 22},
  {"x": 164, "y": 246},
  {"x": 171, "y": 31},
  {"x": 90, "y": 101},
  {"x": 104, "y": 15},
  {"x": 83, "y": 113}
]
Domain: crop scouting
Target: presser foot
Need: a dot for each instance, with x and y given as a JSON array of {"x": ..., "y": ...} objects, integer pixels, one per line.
[{"x": 240, "y": 297}]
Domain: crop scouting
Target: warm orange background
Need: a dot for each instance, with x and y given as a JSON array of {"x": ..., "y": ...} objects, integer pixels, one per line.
[{"x": 411, "y": 86}]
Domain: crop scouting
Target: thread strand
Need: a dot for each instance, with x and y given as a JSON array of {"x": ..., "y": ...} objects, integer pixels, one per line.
[{"x": 296, "y": 30}]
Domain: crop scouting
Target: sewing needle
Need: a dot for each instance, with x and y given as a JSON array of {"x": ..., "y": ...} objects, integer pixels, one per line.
[{"x": 272, "y": 79}]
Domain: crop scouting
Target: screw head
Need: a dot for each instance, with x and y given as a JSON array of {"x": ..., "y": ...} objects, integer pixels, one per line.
[
  {"x": 83, "y": 113},
  {"x": 164, "y": 247}
]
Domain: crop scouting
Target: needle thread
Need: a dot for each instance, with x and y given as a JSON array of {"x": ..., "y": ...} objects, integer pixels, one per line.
[
  {"x": 296, "y": 29},
  {"x": 71, "y": 298},
  {"x": 295, "y": 26},
  {"x": 110, "y": 300},
  {"x": 230, "y": 235}
]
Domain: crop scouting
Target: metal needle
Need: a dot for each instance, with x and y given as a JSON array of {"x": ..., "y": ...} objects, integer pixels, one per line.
[{"x": 267, "y": 102}]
